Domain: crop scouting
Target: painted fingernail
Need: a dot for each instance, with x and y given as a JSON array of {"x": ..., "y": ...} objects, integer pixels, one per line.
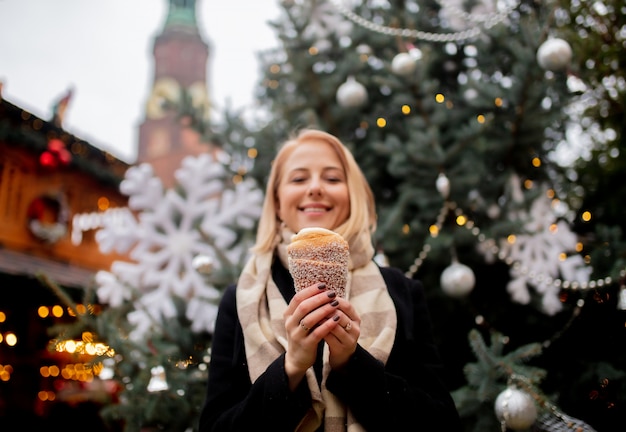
[
  {"x": 321, "y": 285},
  {"x": 334, "y": 303},
  {"x": 331, "y": 294},
  {"x": 336, "y": 318}
]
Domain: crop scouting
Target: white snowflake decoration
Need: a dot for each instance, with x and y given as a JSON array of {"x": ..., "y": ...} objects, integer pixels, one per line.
[
  {"x": 198, "y": 217},
  {"x": 540, "y": 251}
]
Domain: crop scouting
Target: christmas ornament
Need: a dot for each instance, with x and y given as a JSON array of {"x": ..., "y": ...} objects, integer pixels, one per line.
[
  {"x": 108, "y": 369},
  {"x": 443, "y": 185},
  {"x": 56, "y": 154},
  {"x": 403, "y": 64},
  {"x": 203, "y": 264},
  {"x": 364, "y": 49},
  {"x": 48, "y": 217},
  {"x": 457, "y": 280},
  {"x": 515, "y": 408},
  {"x": 554, "y": 54},
  {"x": 157, "y": 381},
  {"x": 198, "y": 218},
  {"x": 351, "y": 94}
]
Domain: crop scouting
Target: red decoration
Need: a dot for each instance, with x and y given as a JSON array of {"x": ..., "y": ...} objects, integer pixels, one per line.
[
  {"x": 48, "y": 160},
  {"x": 55, "y": 155},
  {"x": 56, "y": 145}
]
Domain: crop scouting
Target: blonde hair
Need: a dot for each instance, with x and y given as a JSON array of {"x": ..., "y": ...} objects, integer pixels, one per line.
[{"x": 362, "y": 205}]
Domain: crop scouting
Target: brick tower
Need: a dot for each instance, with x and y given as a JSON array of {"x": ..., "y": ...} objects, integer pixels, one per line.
[{"x": 180, "y": 79}]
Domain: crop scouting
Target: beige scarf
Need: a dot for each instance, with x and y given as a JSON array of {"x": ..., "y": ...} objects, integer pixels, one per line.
[{"x": 260, "y": 307}]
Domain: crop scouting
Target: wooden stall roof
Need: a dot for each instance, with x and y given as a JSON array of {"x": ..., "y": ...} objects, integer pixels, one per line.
[{"x": 21, "y": 128}]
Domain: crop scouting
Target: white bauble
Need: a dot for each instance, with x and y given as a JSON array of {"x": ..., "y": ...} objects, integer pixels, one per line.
[
  {"x": 351, "y": 94},
  {"x": 403, "y": 64},
  {"x": 443, "y": 185},
  {"x": 203, "y": 264},
  {"x": 554, "y": 54},
  {"x": 516, "y": 408},
  {"x": 457, "y": 280}
]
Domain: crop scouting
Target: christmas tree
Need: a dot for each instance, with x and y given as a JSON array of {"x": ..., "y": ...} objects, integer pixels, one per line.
[{"x": 492, "y": 136}]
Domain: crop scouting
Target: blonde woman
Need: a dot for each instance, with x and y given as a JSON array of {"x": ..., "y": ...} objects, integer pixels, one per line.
[{"x": 311, "y": 361}]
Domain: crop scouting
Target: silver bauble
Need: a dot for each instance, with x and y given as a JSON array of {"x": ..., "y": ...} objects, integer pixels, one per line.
[
  {"x": 351, "y": 94},
  {"x": 516, "y": 408},
  {"x": 457, "y": 280},
  {"x": 403, "y": 64},
  {"x": 443, "y": 185},
  {"x": 202, "y": 264},
  {"x": 554, "y": 54}
]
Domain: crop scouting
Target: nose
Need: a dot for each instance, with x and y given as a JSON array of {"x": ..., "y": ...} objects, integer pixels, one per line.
[{"x": 315, "y": 187}]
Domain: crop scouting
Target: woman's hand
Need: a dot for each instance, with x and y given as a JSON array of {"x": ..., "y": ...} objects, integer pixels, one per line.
[
  {"x": 306, "y": 323},
  {"x": 313, "y": 314},
  {"x": 343, "y": 336}
]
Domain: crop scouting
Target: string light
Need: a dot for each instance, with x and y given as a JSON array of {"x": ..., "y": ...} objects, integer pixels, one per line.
[{"x": 496, "y": 251}]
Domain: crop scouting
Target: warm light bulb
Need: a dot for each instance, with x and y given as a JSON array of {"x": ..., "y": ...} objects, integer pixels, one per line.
[
  {"x": 43, "y": 311},
  {"x": 10, "y": 339}
]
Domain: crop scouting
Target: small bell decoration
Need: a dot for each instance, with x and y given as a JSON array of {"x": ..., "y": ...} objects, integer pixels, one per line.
[{"x": 157, "y": 381}]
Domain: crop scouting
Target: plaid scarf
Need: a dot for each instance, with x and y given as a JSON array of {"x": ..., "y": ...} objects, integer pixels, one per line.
[{"x": 260, "y": 307}]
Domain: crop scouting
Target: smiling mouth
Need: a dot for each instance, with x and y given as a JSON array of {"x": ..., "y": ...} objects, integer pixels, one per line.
[{"x": 314, "y": 210}]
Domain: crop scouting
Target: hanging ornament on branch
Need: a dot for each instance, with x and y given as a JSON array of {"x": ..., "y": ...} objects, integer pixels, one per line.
[
  {"x": 158, "y": 382},
  {"x": 405, "y": 63},
  {"x": 351, "y": 94},
  {"x": 443, "y": 185},
  {"x": 457, "y": 280},
  {"x": 203, "y": 264},
  {"x": 554, "y": 54},
  {"x": 515, "y": 408}
]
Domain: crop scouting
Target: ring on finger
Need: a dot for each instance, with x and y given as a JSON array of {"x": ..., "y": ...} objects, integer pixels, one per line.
[
  {"x": 348, "y": 326},
  {"x": 304, "y": 327}
]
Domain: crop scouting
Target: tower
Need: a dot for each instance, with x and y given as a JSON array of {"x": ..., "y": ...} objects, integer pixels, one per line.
[{"x": 180, "y": 80}]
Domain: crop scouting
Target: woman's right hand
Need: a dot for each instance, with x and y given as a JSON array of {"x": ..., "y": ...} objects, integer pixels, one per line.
[{"x": 306, "y": 313}]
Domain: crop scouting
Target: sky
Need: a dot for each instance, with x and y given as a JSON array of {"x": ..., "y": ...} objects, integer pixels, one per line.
[{"x": 103, "y": 51}]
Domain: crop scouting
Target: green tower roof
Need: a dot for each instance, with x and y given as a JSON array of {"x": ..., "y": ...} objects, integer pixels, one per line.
[{"x": 181, "y": 13}]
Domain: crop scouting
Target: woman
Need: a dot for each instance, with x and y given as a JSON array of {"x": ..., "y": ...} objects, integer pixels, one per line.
[{"x": 308, "y": 361}]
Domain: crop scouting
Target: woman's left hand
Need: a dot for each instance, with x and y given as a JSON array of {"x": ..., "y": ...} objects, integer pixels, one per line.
[{"x": 343, "y": 336}]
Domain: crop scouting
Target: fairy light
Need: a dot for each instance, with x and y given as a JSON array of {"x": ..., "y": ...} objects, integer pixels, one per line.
[{"x": 103, "y": 203}]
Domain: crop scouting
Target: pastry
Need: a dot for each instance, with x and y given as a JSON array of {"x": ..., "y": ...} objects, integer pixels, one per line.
[{"x": 319, "y": 255}]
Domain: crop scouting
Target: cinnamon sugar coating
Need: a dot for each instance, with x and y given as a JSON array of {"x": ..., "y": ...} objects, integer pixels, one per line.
[{"x": 319, "y": 255}]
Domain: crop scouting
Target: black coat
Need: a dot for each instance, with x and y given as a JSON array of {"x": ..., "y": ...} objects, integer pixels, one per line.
[{"x": 407, "y": 393}]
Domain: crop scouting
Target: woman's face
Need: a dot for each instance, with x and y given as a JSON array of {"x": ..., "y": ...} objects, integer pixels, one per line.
[{"x": 313, "y": 191}]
